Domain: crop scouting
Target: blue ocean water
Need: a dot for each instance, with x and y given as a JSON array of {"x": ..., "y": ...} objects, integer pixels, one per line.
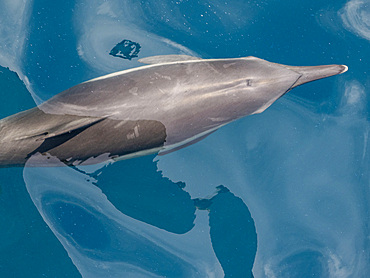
[{"x": 281, "y": 194}]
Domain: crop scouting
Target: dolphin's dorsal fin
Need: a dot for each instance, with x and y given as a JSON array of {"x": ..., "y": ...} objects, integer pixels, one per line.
[{"x": 162, "y": 59}]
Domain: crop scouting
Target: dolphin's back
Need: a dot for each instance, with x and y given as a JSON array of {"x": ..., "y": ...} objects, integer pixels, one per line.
[{"x": 132, "y": 94}]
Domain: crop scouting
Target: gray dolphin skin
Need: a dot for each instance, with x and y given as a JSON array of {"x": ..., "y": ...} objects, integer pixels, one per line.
[{"x": 174, "y": 101}]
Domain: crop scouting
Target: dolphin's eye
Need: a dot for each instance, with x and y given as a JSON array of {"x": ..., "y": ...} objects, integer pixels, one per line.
[{"x": 248, "y": 82}]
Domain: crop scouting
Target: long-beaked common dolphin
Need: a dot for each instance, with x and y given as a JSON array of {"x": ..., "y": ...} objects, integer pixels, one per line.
[{"x": 168, "y": 104}]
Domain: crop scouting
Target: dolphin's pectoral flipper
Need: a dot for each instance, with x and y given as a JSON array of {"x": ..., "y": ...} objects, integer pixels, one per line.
[
  {"x": 160, "y": 59},
  {"x": 76, "y": 126},
  {"x": 106, "y": 138},
  {"x": 58, "y": 137},
  {"x": 62, "y": 129}
]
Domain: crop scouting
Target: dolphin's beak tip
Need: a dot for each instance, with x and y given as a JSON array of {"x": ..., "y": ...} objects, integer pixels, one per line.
[{"x": 344, "y": 69}]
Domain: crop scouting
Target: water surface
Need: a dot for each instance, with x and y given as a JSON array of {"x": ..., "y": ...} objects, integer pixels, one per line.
[{"x": 282, "y": 194}]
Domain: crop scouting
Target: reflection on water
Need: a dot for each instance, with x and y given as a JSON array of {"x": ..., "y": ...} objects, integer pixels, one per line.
[
  {"x": 308, "y": 207},
  {"x": 143, "y": 226},
  {"x": 304, "y": 177}
]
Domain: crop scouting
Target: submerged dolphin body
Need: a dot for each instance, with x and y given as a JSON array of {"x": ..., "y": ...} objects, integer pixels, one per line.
[{"x": 168, "y": 104}]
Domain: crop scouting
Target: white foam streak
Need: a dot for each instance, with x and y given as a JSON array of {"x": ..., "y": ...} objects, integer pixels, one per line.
[
  {"x": 102, "y": 29},
  {"x": 51, "y": 189},
  {"x": 14, "y": 18},
  {"x": 356, "y": 17},
  {"x": 354, "y": 98}
]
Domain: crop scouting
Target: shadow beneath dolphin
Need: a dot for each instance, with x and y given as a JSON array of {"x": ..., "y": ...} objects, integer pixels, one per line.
[
  {"x": 138, "y": 189},
  {"x": 127, "y": 219},
  {"x": 232, "y": 231}
]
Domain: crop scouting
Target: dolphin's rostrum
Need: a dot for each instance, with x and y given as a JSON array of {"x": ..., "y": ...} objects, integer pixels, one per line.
[{"x": 170, "y": 103}]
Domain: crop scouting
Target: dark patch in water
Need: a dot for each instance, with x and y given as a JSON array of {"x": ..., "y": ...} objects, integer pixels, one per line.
[
  {"x": 126, "y": 49},
  {"x": 139, "y": 190},
  {"x": 232, "y": 230}
]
